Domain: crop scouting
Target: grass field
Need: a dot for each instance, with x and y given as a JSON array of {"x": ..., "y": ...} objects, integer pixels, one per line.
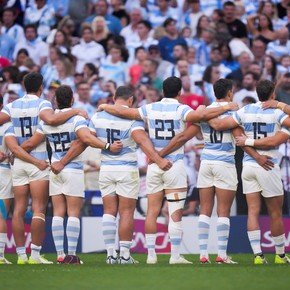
[{"x": 95, "y": 274}]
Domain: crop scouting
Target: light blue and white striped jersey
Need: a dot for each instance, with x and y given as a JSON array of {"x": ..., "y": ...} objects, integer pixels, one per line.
[
  {"x": 259, "y": 123},
  {"x": 165, "y": 119},
  {"x": 5, "y": 129},
  {"x": 24, "y": 115},
  {"x": 60, "y": 138},
  {"x": 110, "y": 128},
  {"x": 219, "y": 146}
]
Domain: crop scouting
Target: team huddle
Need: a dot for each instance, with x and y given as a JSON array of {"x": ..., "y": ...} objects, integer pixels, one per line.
[{"x": 27, "y": 123}]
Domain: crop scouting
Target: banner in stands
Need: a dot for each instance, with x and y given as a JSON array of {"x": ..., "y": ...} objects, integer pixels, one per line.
[{"x": 91, "y": 239}]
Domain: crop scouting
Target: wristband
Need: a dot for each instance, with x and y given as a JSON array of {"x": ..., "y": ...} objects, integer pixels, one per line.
[
  {"x": 107, "y": 146},
  {"x": 250, "y": 142},
  {"x": 281, "y": 106}
]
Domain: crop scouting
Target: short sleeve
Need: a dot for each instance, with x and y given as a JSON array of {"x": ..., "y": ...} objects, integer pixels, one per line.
[
  {"x": 285, "y": 130},
  {"x": 79, "y": 123},
  {"x": 92, "y": 126},
  {"x": 6, "y": 110},
  {"x": 238, "y": 116},
  {"x": 185, "y": 110},
  {"x": 143, "y": 112},
  {"x": 9, "y": 130},
  {"x": 280, "y": 116},
  {"x": 45, "y": 105},
  {"x": 137, "y": 125},
  {"x": 40, "y": 128}
]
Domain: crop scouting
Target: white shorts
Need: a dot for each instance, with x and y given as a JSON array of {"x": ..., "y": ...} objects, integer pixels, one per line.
[
  {"x": 158, "y": 179},
  {"x": 123, "y": 183},
  {"x": 71, "y": 183},
  {"x": 256, "y": 179},
  {"x": 23, "y": 173},
  {"x": 223, "y": 176},
  {"x": 5, "y": 183}
]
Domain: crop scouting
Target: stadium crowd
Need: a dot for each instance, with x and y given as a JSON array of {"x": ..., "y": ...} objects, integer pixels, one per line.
[{"x": 95, "y": 46}]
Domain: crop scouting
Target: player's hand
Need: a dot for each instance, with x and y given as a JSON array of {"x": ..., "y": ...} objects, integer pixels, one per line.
[
  {"x": 201, "y": 108},
  {"x": 3, "y": 156},
  {"x": 11, "y": 158},
  {"x": 116, "y": 147},
  {"x": 265, "y": 161},
  {"x": 57, "y": 167},
  {"x": 42, "y": 165},
  {"x": 83, "y": 113},
  {"x": 240, "y": 140},
  {"x": 233, "y": 106},
  {"x": 270, "y": 104},
  {"x": 164, "y": 164},
  {"x": 101, "y": 107}
]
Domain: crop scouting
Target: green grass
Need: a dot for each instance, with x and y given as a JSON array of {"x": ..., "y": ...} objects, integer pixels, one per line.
[{"x": 95, "y": 274}]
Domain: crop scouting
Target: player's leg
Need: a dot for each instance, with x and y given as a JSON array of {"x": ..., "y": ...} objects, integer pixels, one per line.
[
  {"x": 74, "y": 206},
  {"x": 57, "y": 226},
  {"x": 206, "y": 199},
  {"x": 126, "y": 226},
  {"x": 4, "y": 206},
  {"x": 39, "y": 196},
  {"x": 274, "y": 206},
  {"x": 225, "y": 200},
  {"x": 154, "y": 202},
  {"x": 109, "y": 226},
  {"x": 21, "y": 196}
]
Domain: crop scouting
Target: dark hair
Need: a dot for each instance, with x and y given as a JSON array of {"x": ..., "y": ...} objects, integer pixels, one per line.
[
  {"x": 82, "y": 83},
  {"x": 124, "y": 93},
  {"x": 230, "y": 57},
  {"x": 146, "y": 23},
  {"x": 265, "y": 89},
  {"x": 86, "y": 28},
  {"x": 64, "y": 96},
  {"x": 92, "y": 68},
  {"x": 207, "y": 73},
  {"x": 198, "y": 29},
  {"x": 32, "y": 82},
  {"x": 23, "y": 50},
  {"x": 222, "y": 87},
  {"x": 168, "y": 21},
  {"x": 9, "y": 9},
  {"x": 1, "y": 100},
  {"x": 254, "y": 75},
  {"x": 274, "y": 64},
  {"x": 30, "y": 26},
  {"x": 13, "y": 72},
  {"x": 270, "y": 23},
  {"x": 139, "y": 48},
  {"x": 229, "y": 3},
  {"x": 171, "y": 87},
  {"x": 183, "y": 45}
]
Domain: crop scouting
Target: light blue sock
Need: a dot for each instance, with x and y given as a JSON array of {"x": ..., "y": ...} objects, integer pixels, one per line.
[
  {"x": 223, "y": 231},
  {"x": 72, "y": 233}
]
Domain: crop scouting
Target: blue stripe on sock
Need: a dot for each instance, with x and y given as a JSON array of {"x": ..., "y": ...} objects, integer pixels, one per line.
[
  {"x": 108, "y": 224},
  {"x": 109, "y": 232},
  {"x": 57, "y": 228},
  {"x": 223, "y": 227},
  {"x": 223, "y": 239},
  {"x": 72, "y": 239},
  {"x": 72, "y": 229},
  {"x": 203, "y": 225},
  {"x": 109, "y": 241},
  {"x": 203, "y": 236}
]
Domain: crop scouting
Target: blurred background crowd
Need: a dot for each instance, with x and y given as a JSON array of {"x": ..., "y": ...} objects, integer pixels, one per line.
[{"x": 96, "y": 45}]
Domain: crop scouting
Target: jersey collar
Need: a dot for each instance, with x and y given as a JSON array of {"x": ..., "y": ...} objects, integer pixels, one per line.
[
  {"x": 31, "y": 97},
  {"x": 169, "y": 100}
]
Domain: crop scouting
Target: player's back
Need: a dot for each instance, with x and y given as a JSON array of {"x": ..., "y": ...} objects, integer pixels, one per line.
[
  {"x": 61, "y": 137},
  {"x": 24, "y": 114},
  {"x": 165, "y": 119},
  {"x": 109, "y": 129},
  {"x": 259, "y": 123},
  {"x": 219, "y": 145}
]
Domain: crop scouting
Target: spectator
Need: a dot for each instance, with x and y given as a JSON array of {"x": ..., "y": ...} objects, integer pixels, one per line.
[
  {"x": 144, "y": 30},
  {"x": 283, "y": 89},
  {"x": 88, "y": 50},
  {"x": 130, "y": 32},
  {"x": 120, "y": 12},
  {"x": 113, "y": 67},
  {"x": 256, "y": 68},
  {"x": 21, "y": 57},
  {"x": 62, "y": 42},
  {"x": 227, "y": 58},
  {"x": 193, "y": 14},
  {"x": 270, "y": 71},
  {"x": 37, "y": 49},
  {"x": 203, "y": 51},
  {"x": 279, "y": 47},
  {"x": 248, "y": 88},
  {"x": 238, "y": 74},
  {"x": 195, "y": 69},
  {"x": 65, "y": 72},
  {"x": 135, "y": 71},
  {"x": 167, "y": 43},
  {"x": 101, "y": 31},
  {"x": 284, "y": 65},
  {"x": 84, "y": 98},
  {"x": 210, "y": 76},
  {"x": 42, "y": 16},
  {"x": 12, "y": 29},
  {"x": 113, "y": 22},
  {"x": 236, "y": 27},
  {"x": 202, "y": 24},
  {"x": 78, "y": 10},
  {"x": 258, "y": 49},
  {"x": 7, "y": 45},
  {"x": 151, "y": 96}
]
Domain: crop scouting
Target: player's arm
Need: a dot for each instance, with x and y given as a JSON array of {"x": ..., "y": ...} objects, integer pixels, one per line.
[
  {"x": 86, "y": 136},
  {"x": 180, "y": 139},
  {"x": 3, "y": 156},
  {"x": 205, "y": 114},
  {"x": 20, "y": 153},
  {"x": 33, "y": 142},
  {"x": 4, "y": 118},
  {"x": 121, "y": 111},
  {"x": 263, "y": 160},
  {"x": 49, "y": 117},
  {"x": 223, "y": 124},
  {"x": 141, "y": 138},
  {"x": 277, "y": 105},
  {"x": 263, "y": 143}
]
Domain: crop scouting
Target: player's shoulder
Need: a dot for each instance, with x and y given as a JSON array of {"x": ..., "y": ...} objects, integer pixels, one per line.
[{"x": 5, "y": 127}]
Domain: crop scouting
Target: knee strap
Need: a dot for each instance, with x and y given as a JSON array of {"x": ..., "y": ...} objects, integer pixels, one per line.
[
  {"x": 39, "y": 216},
  {"x": 176, "y": 201}
]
